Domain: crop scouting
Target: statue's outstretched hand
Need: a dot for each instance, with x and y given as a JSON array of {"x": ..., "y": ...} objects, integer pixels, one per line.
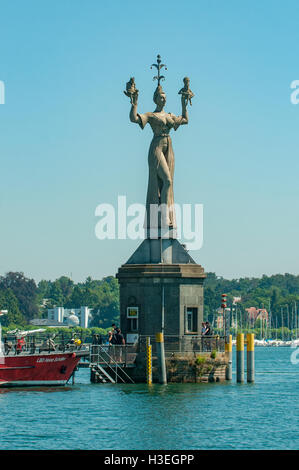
[{"x": 184, "y": 99}]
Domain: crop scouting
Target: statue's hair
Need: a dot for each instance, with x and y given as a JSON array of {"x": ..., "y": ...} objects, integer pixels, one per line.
[{"x": 158, "y": 91}]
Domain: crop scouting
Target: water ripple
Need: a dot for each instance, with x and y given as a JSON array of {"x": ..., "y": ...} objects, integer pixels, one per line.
[{"x": 263, "y": 415}]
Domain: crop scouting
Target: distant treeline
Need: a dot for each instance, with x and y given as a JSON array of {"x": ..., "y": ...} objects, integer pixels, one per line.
[
  {"x": 278, "y": 294},
  {"x": 25, "y": 300}
]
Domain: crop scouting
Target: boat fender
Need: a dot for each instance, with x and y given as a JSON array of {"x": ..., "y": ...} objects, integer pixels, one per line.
[
  {"x": 74, "y": 355},
  {"x": 63, "y": 369}
]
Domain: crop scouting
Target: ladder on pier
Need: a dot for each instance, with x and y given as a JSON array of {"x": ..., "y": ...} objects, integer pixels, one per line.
[
  {"x": 102, "y": 376},
  {"x": 106, "y": 367}
]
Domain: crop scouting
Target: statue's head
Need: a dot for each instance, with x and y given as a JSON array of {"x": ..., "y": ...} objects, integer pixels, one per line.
[{"x": 159, "y": 96}]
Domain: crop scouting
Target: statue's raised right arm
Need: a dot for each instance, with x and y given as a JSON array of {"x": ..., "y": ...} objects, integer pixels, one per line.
[{"x": 133, "y": 113}]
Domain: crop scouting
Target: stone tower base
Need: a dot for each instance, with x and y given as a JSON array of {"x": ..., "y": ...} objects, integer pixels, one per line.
[{"x": 147, "y": 290}]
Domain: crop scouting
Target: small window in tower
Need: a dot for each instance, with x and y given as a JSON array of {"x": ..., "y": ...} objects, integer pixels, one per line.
[{"x": 191, "y": 320}]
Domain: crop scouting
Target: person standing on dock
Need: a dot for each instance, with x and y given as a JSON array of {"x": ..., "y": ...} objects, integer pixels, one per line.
[
  {"x": 111, "y": 334},
  {"x": 119, "y": 342},
  {"x": 119, "y": 338},
  {"x": 111, "y": 338},
  {"x": 207, "y": 334},
  {"x": 208, "y": 329},
  {"x": 203, "y": 331}
]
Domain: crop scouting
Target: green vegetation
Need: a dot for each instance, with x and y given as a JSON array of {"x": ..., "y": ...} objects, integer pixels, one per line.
[
  {"x": 214, "y": 354},
  {"x": 278, "y": 294},
  {"x": 25, "y": 300},
  {"x": 200, "y": 360}
]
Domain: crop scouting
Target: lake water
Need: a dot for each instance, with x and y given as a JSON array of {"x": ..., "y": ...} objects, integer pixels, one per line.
[{"x": 263, "y": 415}]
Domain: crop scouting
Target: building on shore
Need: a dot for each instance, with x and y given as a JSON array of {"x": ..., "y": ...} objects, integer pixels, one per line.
[
  {"x": 60, "y": 316},
  {"x": 255, "y": 314}
]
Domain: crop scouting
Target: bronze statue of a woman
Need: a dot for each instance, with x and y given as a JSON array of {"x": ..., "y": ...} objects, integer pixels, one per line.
[{"x": 160, "y": 156}]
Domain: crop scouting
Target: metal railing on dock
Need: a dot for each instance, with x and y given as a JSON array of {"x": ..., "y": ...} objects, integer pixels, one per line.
[
  {"x": 185, "y": 344},
  {"x": 123, "y": 355},
  {"x": 109, "y": 361}
]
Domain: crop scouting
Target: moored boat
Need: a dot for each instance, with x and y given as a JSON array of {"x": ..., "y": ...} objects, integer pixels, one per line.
[{"x": 25, "y": 362}]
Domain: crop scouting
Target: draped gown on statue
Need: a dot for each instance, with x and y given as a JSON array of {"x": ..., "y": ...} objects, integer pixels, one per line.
[{"x": 161, "y": 163}]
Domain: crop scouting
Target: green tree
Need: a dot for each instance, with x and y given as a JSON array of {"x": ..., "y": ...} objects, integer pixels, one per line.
[
  {"x": 8, "y": 301},
  {"x": 25, "y": 290},
  {"x": 56, "y": 298},
  {"x": 106, "y": 311}
]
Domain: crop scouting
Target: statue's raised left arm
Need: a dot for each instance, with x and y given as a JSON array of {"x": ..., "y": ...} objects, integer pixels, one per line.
[{"x": 185, "y": 117}]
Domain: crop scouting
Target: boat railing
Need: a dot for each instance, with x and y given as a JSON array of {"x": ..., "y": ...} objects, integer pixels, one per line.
[{"x": 37, "y": 344}]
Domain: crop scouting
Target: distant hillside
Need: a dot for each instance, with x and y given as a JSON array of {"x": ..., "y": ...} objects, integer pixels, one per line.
[
  {"x": 24, "y": 299},
  {"x": 278, "y": 293}
]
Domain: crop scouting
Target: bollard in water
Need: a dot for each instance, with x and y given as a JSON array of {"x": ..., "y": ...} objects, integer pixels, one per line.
[
  {"x": 149, "y": 377},
  {"x": 250, "y": 357},
  {"x": 161, "y": 358},
  {"x": 240, "y": 357},
  {"x": 229, "y": 352}
]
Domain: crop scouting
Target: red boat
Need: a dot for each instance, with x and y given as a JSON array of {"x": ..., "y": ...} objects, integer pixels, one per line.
[{"x": 25, "y": 362}]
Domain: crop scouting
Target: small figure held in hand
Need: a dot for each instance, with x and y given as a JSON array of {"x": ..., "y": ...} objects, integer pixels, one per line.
[
  {"x": 186, "y": 92},
  {"x": 131, "y": 90}
]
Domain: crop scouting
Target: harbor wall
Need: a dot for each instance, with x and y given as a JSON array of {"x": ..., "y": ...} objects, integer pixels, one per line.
[{"x": 186, "y": 368}]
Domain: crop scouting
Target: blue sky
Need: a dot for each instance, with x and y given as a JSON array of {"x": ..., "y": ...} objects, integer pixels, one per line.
[{"x": 66, "y": 143}]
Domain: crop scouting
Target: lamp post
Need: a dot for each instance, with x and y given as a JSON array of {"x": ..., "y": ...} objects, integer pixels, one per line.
[{"x": 223, "y": 306}]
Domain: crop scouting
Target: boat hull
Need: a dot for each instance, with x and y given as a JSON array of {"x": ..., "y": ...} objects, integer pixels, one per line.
[{"x": 37, "y": 369}]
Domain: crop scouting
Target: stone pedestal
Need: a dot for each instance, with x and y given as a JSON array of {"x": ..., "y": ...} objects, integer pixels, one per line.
[{"x": 159, "y": 276}]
